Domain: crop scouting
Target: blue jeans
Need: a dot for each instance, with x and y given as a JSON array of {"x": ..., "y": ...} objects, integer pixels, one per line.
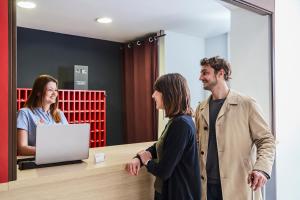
[{"x": 214, "y": 192}]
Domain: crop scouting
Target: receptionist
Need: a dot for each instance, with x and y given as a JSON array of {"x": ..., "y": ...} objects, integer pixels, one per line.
[{"x": 41, "y": 107}]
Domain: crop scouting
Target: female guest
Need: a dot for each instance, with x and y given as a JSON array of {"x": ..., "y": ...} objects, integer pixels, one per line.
[
  {"x": 173, "y": 159},
  {"x": 40, "y": 108}
]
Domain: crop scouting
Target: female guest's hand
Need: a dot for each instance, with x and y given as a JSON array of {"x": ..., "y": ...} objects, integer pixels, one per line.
[
  {"x": 133, "y": 167},
  {"x": 145, "y": 156}
]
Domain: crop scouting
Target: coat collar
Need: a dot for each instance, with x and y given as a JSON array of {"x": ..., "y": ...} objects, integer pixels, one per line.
[{"x": 231, "y": 99}]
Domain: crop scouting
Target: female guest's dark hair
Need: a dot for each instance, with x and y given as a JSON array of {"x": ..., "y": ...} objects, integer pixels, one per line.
[
  {"x": 175, "y": 94},
  {"x": 37, "y": 94}
]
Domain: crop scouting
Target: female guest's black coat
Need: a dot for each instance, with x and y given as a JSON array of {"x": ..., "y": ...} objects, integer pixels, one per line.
[{"x": 178, "y": 166}]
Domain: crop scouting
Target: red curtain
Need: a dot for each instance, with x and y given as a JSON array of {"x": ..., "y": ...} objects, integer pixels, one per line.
[{"x": 140, "y": 72}]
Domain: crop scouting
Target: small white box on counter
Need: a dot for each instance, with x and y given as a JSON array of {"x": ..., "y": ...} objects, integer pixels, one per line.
[{"x": 99, "y": 157}]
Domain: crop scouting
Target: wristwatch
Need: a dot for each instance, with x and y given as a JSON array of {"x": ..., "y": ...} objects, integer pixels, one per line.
[{"x": 146, "y": 163}]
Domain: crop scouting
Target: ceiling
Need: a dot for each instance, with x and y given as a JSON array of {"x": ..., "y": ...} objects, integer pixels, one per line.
[{"x": 131, "y": 18}]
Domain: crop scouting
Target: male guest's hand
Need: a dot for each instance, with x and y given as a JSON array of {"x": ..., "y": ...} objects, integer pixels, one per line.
[
  {"x": 256, "y": 179},
  {"x": 145, "y": 156},
  {"x": 133, "y": 167}
]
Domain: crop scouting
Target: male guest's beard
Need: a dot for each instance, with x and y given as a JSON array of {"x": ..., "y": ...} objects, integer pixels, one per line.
[{"x": 209, "y": 86}]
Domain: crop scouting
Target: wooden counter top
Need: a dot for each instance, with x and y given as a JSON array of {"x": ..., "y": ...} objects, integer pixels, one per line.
[{"x": 87, "y": 180}]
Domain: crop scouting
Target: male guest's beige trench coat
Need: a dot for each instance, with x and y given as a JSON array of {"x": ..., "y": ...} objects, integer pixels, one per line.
[{"x": 244, "y": 143}]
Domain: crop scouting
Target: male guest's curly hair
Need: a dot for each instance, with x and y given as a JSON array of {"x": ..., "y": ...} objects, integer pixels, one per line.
[{"x": 217, "y": 64}]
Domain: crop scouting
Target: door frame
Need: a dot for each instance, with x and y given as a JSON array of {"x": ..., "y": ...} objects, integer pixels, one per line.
[
  {"x": 12, "y": 77},
  {"x": 266, "y": 7}
]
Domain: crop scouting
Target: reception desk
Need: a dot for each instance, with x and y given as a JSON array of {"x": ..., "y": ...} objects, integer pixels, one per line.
[{"x": 88, "y": 180}]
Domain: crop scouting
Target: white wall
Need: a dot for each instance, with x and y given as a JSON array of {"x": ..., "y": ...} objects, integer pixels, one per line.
[
  {"x": 182, "y": 55},
  {"x": 162, "y": 121},
  {"x": 287, "y": 87},
  {"x": 217, "y": 46},
  {"x": 249, "y": 43}
]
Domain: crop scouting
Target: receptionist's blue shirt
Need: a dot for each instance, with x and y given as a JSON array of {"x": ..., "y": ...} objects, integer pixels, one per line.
[{"x": 28, "y": 120}]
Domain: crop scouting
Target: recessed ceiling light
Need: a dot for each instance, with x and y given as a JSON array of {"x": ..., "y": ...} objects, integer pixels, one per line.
[
  {"x": 26, "y": 4},
  {"x": 104, "y": 20}
]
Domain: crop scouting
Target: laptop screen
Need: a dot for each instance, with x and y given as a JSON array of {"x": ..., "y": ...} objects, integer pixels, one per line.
[{"x": 60, "y": 143}]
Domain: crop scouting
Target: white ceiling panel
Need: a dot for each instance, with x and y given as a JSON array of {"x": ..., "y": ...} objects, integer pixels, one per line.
[{"x": 131, "y": 18}]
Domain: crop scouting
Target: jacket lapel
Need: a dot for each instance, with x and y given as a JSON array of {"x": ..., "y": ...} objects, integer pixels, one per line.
[
  {"x": 231, "y": 99},
  {"x": 205, "y": 111},
  {"x": 223, "y": 110}
]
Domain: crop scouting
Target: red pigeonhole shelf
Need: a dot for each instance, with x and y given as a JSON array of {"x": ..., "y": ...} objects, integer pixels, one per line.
[{"x": 79, "y": 106}]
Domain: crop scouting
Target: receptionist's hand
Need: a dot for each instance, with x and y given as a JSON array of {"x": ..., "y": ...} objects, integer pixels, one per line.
[{"x": 133, "y": 167}]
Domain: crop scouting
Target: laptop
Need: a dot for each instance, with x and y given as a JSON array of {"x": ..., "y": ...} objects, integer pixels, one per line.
[{"x": 59, "y": 144}]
